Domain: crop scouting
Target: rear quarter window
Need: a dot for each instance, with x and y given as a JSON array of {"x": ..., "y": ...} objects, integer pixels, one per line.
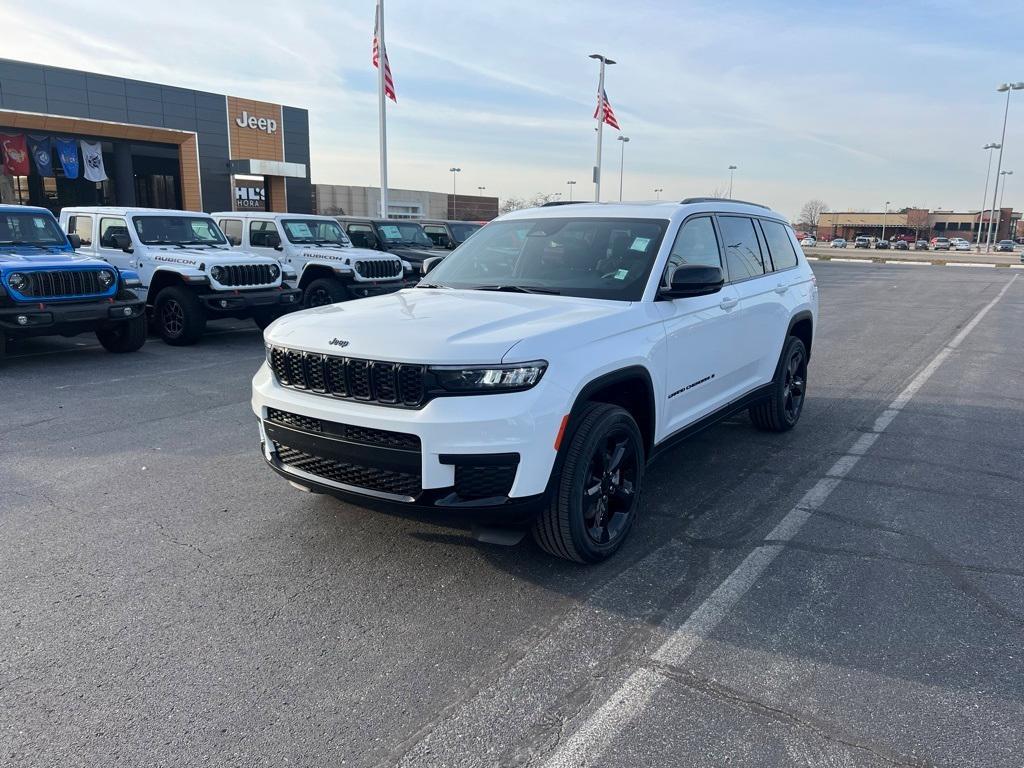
[{"x": 780, "y": 246}]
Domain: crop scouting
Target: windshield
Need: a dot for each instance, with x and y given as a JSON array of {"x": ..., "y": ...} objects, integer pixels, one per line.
[
  {"x": 461, "y": 231},
  {"x": 584, "y": 257},
  {"x": 315, "y": 231},
  {"x": 178, "y": 230},
  {"x": 405, "y": 234},
  {"x": 30, "y": 229}
]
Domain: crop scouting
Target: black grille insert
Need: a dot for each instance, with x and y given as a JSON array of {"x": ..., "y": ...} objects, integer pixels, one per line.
[
  {"x": 380, "y": 269},
  {"x": 382, "y": 438},
  {"x": 405, "y": 484},
  {"x": 475, "y": 482},
  {"x": 62, "y": 283},
  {"x": 246, "y": 274},
  {"x": 375, "y": 381}
]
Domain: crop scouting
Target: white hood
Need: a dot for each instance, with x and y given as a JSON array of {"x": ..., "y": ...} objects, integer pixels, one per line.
[
  {"x": 344, "y": 254},
  {"x": 193, "y": 257},
  {"x": 439, "y": 326}
]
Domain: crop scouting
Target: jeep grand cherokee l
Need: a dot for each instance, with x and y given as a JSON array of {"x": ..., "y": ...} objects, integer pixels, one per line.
[{"x": 530, "y": 377}]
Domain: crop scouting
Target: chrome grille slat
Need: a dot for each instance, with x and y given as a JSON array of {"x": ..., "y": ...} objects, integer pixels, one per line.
[{"x": 349, "y": 378}]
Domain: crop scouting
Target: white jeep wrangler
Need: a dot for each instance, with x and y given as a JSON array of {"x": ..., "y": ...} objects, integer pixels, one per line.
[
  {"x": 330, "y": 268},
  {"x": 532, "y": 374},
  {"x": 188, "y": 269}
]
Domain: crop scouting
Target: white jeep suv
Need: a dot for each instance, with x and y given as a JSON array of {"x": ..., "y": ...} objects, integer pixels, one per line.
[{"x": 531, "y": 375}]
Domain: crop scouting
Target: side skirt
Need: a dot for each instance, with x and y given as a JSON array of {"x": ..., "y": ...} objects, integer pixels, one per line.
[{"x": 711, "y": 419}]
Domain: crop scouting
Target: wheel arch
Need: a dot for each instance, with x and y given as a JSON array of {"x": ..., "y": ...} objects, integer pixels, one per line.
[
  {"x": 801, "y": 325},
  {"x": 630, "y": 388},
  {"x": 311, "y": 272},
  {"x": 162, "y": 278}
]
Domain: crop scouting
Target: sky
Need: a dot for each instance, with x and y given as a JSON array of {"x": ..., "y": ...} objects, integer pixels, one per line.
[{"x": 851, "y": 103}]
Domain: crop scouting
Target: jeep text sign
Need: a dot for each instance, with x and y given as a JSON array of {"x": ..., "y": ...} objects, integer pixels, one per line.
[{"x": 266, "y": 124}]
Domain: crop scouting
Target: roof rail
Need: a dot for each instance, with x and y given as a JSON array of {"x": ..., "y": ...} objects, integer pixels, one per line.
[
  {"x": 690, "y": 200},
  {"x": 551, "y": 203}
]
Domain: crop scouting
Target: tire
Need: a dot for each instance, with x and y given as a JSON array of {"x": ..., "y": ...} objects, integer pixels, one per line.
[
  {"x": 124, "y": 337},
  {"x": 178, "y": 316},
  {"x": 781, "y": 410},
  {"x": 324, "y": 291},
  {"x": 264, "y": 318},
  {"x": 596, "y": 497}
]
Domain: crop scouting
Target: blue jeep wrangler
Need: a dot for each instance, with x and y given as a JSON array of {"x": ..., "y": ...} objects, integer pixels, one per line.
[{"x": 47, "y": 289}]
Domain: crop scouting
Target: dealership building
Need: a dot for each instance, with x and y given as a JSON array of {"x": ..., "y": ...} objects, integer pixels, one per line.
[
  {"x": 146, "y": 144},
  {"x": 347, "y": 200},
  {"x": 916, "y": 222}
]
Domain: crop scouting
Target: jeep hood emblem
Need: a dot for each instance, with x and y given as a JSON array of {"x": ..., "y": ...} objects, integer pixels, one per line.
[{"x": 338, "y": 342}]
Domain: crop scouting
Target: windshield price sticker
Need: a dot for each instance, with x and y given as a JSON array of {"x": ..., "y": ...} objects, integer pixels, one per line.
[
  {"x": 640, "y": 244},
  {"x": 621, "y": 274},
  {"x": 301, "y": 229},
  {"x": 391, "y": 232}
]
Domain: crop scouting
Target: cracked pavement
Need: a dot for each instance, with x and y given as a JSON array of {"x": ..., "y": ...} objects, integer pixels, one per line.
[{"x": 165, "y": 600}]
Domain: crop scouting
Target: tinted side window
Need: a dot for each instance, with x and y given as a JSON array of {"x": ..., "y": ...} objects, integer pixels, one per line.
[
  {"x": 109, "y": 228},
  {"x": 232, "y": 229},
  {"x": 81, "y": 226},
  {"x": 260, "y": 234},
  {"x": 779, "y": 244},
  {"x": 696, "y": 243},
  {"x": 742, "y": 251}
]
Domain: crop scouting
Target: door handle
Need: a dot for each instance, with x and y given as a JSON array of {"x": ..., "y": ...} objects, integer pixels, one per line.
[
  {"x": 781, "y": 288},
  {"x": 728, "y": 303}
]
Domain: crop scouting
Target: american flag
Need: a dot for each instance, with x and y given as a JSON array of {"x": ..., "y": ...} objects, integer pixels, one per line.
[
  {"x": 389, "y": 83},
  {"x": 609, "y": 113}
]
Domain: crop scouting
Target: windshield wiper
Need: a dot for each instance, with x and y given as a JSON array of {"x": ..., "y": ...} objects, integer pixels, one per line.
[
  {"x": 22, "y": 243},
  {"x": 431, "y": 285},
  {"x": 515, "y": 289}
]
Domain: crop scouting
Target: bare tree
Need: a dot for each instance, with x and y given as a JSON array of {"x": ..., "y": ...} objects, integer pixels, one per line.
[
  {"x": 811, "y": 213},
  {"x": 510, "y": 204},
  {"x": 720, "y": 192},
  {"x": 518, "y": 203}
]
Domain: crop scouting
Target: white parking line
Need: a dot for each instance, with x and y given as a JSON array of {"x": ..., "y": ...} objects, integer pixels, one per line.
[
  {"x": 966, "y": 264},
  {"x": 907, "y": 261},
  {"x": 604, "y": 726}
]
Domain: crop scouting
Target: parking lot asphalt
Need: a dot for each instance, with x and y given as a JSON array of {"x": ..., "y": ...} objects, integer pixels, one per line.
[{"x": 166, "y": 600}]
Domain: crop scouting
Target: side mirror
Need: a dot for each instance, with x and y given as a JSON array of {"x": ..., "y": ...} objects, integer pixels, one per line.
[
  {"x": 124, "y": 242},
  {"x": 75, "y": 240},
  {"x": 694, "y": 280},
  {"x": 234, "y": 240},
  {"x": 429, "y": 264},
  {"x": 364, "y": 240},
  {"x": 273, "y": 240}
]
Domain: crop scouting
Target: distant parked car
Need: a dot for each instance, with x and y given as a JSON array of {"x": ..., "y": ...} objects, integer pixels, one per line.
[
  {"x": 838, "y": 243},
  {"x": 962, "y": 245},
  {"x": 941, "y": 244},
  {"x": 862, "y": 242},
  {"x": 955, "y": 241},
  {"x": 882, "y": 245},
  {"x": 901, "y": 245},
  {"x": 809, "y": 242},
  {"x": 921, "y": 245},
  {"x": 1005, "y": 245}
]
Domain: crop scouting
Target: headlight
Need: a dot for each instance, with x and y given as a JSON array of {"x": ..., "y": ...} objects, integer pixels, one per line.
[
  {"x": 489, "y": 378},
  {"x": 217, "y": 273},
  {"x": 17, "y": 281},
  {"x": 106, "y": 278},
  {"x": 274, "y": 271}
]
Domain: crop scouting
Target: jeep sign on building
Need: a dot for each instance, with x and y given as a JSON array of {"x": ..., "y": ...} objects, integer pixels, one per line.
[{"x": 150, "y": 145}]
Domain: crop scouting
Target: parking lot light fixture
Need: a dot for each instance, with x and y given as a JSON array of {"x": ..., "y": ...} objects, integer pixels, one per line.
[
  {"x": 1006, "y": 88},
  {"x": 885, "y": 213},
  {"x": 1002, "y": 192},
  {"x": 622, "y": 162},
  {"x": 984, "y": 198},
  {"x": 571, "y": 183},
  {"x": 454, "y": 172},
  {"x": 732, "y": 171},
  {"x": 658, "y": 191}
]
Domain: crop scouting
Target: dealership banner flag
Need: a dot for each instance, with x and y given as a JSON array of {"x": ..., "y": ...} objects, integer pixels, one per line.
[
  {"x": 92, "y": 155},
  {"x": 15, "y": 154},
  {"x": 40, "y": 149},
  {"x": 67, "y": 152}
]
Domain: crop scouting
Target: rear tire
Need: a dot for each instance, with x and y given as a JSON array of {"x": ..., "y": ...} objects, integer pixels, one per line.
[
  {"x": 597, "y": 494},
  {"x": 179, "y": 317},
  {"x": 781, "y": 410},
  {"x": 128, "y": 336},
  {"x": 324, "y": 291}
]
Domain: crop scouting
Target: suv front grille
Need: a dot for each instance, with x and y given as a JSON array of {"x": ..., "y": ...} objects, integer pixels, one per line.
[
  {"x": 246, "y": 274},
  {"x": 379, "y": 269},
  {"x": 63, "y": 284},
  {"x": 351, "y": 474},
  {"x": 364, "y": 435},
  {"x": 351, "y": 378}
]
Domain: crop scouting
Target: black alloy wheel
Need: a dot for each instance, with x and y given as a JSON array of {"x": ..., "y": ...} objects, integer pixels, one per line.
[
  {"x": 611, "y": 485},
  {"x": 795, "y": 383},
  {"x": 172, "y": 318},
  {"x": 780, "y": 410}
]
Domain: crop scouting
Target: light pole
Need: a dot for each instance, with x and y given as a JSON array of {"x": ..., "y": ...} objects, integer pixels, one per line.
[
  {"x": 984, "y": 200},
  {"x": 571, "y": 184},
  {"x": 1002, "y": 191},
  {"x": 600, "y": 122},
  {"x": 884, "y": 214},
  {"x": 1006, "y": 88},
  {"x": 454, "y": 171},
  {"x": 622, "y": 162},
  {"x": 732, "y": 170},
  {"x": 481, "y": 190},
  {"x": 658, "y": 191}
]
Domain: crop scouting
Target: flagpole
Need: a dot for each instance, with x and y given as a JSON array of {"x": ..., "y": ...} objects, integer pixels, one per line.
[
  {"x": 381, "y": 67},
  {"x": 600, "y": 123}
]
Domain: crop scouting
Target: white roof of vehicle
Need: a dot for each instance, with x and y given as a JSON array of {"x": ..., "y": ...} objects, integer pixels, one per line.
[
  {"x": 270, "y": 215},
  {"x": 112, "y": 210},
  {"x": 651, "y": 209}
]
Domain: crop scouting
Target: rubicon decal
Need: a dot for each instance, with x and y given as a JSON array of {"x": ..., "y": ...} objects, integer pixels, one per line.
[
  {"x": 691, "y": 386},
  {"x": 175, "y": 260}
]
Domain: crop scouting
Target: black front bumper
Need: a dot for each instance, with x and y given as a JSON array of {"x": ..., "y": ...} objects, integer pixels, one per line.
[
  {"x": 70, "y": 319},
  {"x": 241, "y": 303}
]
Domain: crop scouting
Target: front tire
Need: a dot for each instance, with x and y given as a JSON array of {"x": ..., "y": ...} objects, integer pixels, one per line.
[
  {"x": 324, "y": 291},
  {"x": 781, "y": 410},
  {"x": 179, "y": 317},
  {"x": 128, "y": 336},
  {"x": 597, "y": 494}
]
